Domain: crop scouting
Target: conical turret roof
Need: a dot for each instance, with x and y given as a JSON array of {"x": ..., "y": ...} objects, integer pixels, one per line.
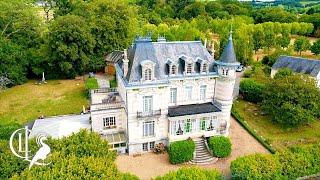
[{"x": 228, "y": 55}]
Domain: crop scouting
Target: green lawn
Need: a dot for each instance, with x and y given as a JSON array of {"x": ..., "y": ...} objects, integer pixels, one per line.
[
  {"x": 278, "y": 137},
  {"x": 27, "y": 102}
]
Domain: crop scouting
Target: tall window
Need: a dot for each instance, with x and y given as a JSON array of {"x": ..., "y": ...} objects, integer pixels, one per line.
[
  {"x": 173, "y": 69},
  {"x": 204, "y": 67},
  {"x": 227, "y": 72},
  {"x": 203, "y": 92},
  {"x": 223, "y": 72},
  {"x": 189, "y": 68},
  {"x": 109, "y": 122},
  {"x": 203, "y": 123},
  {"x": 147, "y": 74},
  {"x": 173, "y": 95},
  {"x": 189, "y": 92},
  {"x": 148, "y": 128},
  {"x": 188, "y": 126},
  {"x": 147, "y": 104}
]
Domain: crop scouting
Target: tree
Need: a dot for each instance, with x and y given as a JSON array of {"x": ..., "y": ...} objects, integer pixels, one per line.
[
  {"x": 251, "y": 90},
  {"x": 292, "y": 100},
  {"x": 283, "y": 40},
  {"x": 258, "y": 37},
  {"x": 315, "y": 48},
  {"x": 13, "y": 65},
  {"x": 70, "y": 46},
  {"x": 301, "y": 44}
]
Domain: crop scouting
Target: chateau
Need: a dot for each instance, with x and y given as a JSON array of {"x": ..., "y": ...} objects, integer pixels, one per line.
[{"x": 167, "y": 91}]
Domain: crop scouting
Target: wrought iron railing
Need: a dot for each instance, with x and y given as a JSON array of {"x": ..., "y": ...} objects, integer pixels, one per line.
[{"x": 149, "y": 113}]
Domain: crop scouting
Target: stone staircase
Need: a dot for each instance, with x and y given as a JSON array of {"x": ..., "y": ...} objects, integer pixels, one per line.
[{"x": 202, "y": 155}]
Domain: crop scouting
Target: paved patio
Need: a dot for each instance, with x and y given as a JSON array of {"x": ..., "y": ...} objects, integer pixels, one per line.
[{"x": 151, "y": 165}]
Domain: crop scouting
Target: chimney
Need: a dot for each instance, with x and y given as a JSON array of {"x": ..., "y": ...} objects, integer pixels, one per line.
[
  {"x": 125, "y": 63},
  {"x": 212, "y": 49}
]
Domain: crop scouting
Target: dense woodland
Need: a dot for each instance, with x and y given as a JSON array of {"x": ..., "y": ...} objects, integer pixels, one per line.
[{"x": 69, "y": 38}]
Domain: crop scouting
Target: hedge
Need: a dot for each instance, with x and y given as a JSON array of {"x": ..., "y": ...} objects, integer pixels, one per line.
[
  {"x": 241, "y": 120},
  {"x": 251, "y": 90},
  {"x": 192, "y": 173},
  {"x": 220, "y": 146},
  {"x": 181, "y": 151},
  {"x": 289, "y": 164}
]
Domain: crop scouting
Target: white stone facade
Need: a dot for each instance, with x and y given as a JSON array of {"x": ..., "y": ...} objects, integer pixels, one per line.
[{"x": 188, "y": 102}]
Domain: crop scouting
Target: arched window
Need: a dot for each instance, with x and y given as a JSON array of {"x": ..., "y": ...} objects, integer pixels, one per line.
[
  {"x": 147, "y": 74},
  {"x": 173, "y": 69},
  {"x": 189, "y": 68},
  {"x": 204, "y": 67}
]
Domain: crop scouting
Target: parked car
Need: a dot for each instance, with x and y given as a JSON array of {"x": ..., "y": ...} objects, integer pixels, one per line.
[{"x": 239, "y": 68}]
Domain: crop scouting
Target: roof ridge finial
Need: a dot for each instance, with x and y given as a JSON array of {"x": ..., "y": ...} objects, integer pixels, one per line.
[{"x": 230, "y": 33}]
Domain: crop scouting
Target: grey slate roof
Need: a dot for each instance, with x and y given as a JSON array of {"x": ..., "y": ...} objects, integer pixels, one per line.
[
  {"x": 114, "y": 57},
  {"x": 192, "y": 109},
  {"x": 162, "y": 52},
  {"x": 228, "y": 55},
  {"x": 298, "y": 65}
]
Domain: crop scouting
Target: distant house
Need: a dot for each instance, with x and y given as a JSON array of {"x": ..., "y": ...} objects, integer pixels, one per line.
[{"x": 298, "y": 65}]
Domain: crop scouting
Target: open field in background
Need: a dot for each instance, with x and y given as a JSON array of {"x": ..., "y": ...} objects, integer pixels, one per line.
[
  {"x": 27, "y": 102},
  {"x": 278, "y": 137}
]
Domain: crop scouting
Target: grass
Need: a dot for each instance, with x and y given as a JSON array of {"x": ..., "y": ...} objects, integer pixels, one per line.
[
  {"x": 274, "y": 134},
  {"x": 27, "y": 102}
]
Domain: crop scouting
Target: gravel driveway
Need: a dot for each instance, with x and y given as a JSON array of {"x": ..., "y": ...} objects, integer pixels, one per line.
[{"x": 150, "y": 165}]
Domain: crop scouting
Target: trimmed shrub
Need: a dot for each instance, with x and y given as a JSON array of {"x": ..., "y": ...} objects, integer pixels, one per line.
[
  {"x": 181, "y": 151},
  {"x": 192, "y": 173},
  {"x": 251, "y": 90},
  {"x": 289, "y": 164},
  {"x": 256, "y": 166},
  {"x": 220, "y": 146}
]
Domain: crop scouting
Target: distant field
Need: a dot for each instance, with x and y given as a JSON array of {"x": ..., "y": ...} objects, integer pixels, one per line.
[
  {"x": 28, "y": 101},
  {"x": 278, "y": 137}
]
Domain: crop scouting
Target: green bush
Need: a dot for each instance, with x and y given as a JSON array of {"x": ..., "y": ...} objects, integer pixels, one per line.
[
  {"x": 113, "y": 82},
  {"x": 288, "y": 164},
  {"x": 283, "y": 73},
  {"x": 256, "y": 166},
  {"x": 181, "y": 151},
  {"x": 192, "y": 173},
  {"x": 91, "y": 83},
  {"x": 7, "y": 129},
  {"x": 251, "y": 90},
  {"x": 83, "y": 155},
  {"x": 220, "y": 146}
]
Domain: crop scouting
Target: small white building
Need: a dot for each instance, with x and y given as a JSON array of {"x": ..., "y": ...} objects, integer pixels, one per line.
[
  {"x": 167, "y": 91},
  {"x": 298, "y": 65}
]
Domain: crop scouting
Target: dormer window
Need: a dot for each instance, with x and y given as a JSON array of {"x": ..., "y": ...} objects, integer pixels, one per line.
[
  {"x": 189, "y": 68},
  {"x": 147, "y": 75},
  {"x": 173, "y": 69},
  {"x": 204, "y": 68}
]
